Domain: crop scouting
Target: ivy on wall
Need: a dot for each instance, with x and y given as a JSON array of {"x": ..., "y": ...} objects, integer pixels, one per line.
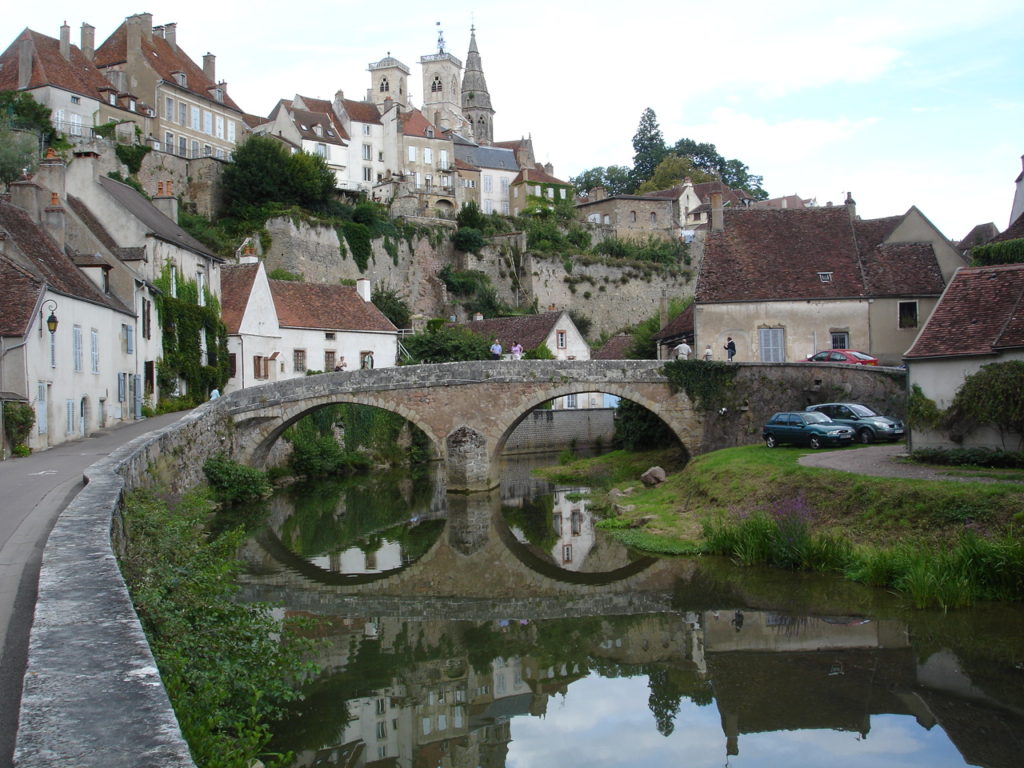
[
  {"x": 183, "y": 320},
  {"x": 706, "y": 382}
]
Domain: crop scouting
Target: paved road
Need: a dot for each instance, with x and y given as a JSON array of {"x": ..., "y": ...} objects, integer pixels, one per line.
[
  {"x": 33, "y": 491},
  {"x": 886, "y": 460}
]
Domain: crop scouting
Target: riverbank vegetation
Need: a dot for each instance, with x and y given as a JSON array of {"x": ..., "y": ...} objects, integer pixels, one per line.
[
  {"x": 942, "y": 543},
  {"x": 229, "y": 667}
]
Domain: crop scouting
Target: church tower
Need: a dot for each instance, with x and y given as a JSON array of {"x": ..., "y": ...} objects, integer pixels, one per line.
[
  {"x": 476, "y": 101},
  {"x": 442, "y": 83},
  {"x": 389, "y": 82}
]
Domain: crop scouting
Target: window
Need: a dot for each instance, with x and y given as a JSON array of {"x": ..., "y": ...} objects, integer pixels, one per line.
[
  {"x": 428, "y": 180},
  {"x": 207, "y": 121},
  {"x": 560, "y": 339},
  {"x": 367, "y": 173},
  {"x": 146, "y": 318},
  {"x": 201, "y": 288},
  {"x": 169, "y": 141},
  {"x": 488, "y": 206},
  {"x": 567, "y": 553},
  {"x": 504, "y": 185},
  {"x": 632, "y": 217},
  {"x": 428, "y": 155},
  {"x": 76, "y": 347},
  {"x": 488, "y": 185},
  {"x": 504, "y": 207},
  {"x": 218, "y": 127},
  {"x": 122, "y": 387},
  {"x": 366, "y": 359},
  {"x": 183, "y": 113},
  {"x": 366, "y": 129},
  {"x": 180, "y": 78},
  {"x": 571, "y": 401},
  {"x": 183, "y": 146},
  {"x": 261, "y": 367},
  {"x": 207, "y": 150},
  {"x": 654, "y": 217},
  {"x": 367, "y": 152},
  {"x": 382, "y": 705},
  {"x": 435, "y": 87},
  {"x": 321, "y": 150},
  {"x": 69, "y": 416},
  {"x": 329, "y": 360},
  {"x": 41, "y": 410},
  {"x": 442, "y": 158},
  {"x": 412, "y": 154},
  {"x": 840, "y": 340},
  {"x": 299, "y": 361},
  {"x": 195, "y": 118},
  {"x": 384, "y": 86},
  {"x": 169, "y": 108},
  {"x": 129, "y": 339},
  {"x": 425, "y": 726},
  {"x": 174, "y": 282},
  {"x": 908, "y": 314},
  {"x": 825, "y": 277},
  {"x": 231, "y": 131},
  {"x": 382, "y": 730},
  {"x": 76, "y": 99},
  {"x": 773, "y": 344},
  {"x": 232, "y": 365}
]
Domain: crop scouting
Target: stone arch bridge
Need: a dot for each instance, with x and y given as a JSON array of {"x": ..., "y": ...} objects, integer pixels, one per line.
[{"x": 469, "y": 409}]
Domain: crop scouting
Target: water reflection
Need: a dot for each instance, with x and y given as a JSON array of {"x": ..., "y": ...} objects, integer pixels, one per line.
[{"x": 482, "y": 642}]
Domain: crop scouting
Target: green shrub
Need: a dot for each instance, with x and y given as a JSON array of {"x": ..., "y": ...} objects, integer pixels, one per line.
[
  {"x": 970, "y": 457},
  {"x": 18, "y": 421},
  {"x": 234, "y": 483},
  {"x": 469, "y": 240}
]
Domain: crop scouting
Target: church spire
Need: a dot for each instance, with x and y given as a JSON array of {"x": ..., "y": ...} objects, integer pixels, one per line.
[{"x": 476, "y": 101}]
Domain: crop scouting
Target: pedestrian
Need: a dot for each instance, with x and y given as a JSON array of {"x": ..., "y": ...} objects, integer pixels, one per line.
[
  {"x": 214, "y": 394},
  {"x": 341, "y": 364},
  {"x": 730, "y": 348},
  {"x": 682, "y": 351},
  {"x": 708, "y": 354},
  {"x": 517, "y": 351},
  {"x": 495, "y": 350}
]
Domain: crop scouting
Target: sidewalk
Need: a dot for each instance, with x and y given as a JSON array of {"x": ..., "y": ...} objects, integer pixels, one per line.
[{"x": 33, "y": 491}]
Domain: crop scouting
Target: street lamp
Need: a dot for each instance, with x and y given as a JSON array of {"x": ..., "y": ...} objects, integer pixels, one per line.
[{"x": 51, "y": 321}]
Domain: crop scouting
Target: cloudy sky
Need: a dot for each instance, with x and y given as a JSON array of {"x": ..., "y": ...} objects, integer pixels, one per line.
[{"x": 901, "y": 102}]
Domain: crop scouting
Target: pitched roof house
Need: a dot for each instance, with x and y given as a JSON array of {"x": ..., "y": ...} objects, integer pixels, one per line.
[
  {"x": 64, "y": 77},
  {"x": 279, "y": 329},
  {"x": 193, "y": 114},
  {"x": 784, "y": 283},
  {"x": 979, "y": 320},
  {"x": 310, "y": 125},
  {"x": 555, "y": 329},
  {"x": 76, "y": 377}
]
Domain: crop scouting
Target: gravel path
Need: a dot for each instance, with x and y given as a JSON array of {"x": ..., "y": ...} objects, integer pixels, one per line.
[{"x": 885, "y": 460}]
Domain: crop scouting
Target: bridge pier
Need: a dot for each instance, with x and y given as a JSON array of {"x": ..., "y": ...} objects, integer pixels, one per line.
[{"x": 468, "y": 461}]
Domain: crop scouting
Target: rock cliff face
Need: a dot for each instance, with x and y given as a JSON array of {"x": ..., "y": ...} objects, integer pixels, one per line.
[{"x": 613, "y": 297}]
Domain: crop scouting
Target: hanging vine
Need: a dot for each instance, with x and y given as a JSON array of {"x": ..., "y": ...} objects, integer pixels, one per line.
[{"x": 183, "y": 321}]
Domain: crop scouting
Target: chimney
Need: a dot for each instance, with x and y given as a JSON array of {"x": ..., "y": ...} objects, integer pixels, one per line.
[
  {"x": 363, "y": 288},
  {"x": 171, "y": 35},
  {"x": 25, "y": 195},
  {"x": 549, "y": 169},
  {"x": 166, "y": 202},
  {"x": 662, "y": 310},
  {"x": 88, "y": 41},
  {"x": 52, "y": 174},
  {"x": 26, "y": 51},
  {"x": 851, "y": 206},
  {"x": 54, "y": 220},
  {"x": 65, "y": 41},
  {"x": 598, "y": 193},
  {"x": 717, "y": 213},
  {"x": 552, "y": 308},
  {"x": 210, "y": 67}
]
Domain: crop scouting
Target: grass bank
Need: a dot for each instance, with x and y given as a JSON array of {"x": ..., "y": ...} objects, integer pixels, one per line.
[{"x": 944, "y": 543}]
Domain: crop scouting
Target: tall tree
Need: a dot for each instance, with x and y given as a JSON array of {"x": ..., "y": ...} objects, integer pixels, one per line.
[
  {"x": 19, "y": 110},
  {"x": 648, "y": 147},
  {"x": 19, "y": 153},
  {"x": 616, "y": 179},
  {"x": 670, "y": 173}
]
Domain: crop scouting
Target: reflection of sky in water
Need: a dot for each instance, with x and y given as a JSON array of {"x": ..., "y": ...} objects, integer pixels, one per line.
[{"x": 604, "y": 722}]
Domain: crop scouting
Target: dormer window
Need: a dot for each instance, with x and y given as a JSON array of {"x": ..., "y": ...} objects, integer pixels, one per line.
[
  {"x": 112, "y": 98},
  {"x": 825, "y": 277},
  {"x": 430, "y": 133},
  {"x": 180, "y": 78},
  {"x": 218, "y": 95},
  {"x": 318, "y": 130}
]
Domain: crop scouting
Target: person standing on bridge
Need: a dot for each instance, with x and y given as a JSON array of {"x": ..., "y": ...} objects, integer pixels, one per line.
[
  {"x": 682, "y": 350},
  {"x": 730, "y": 348},
  {"x": 708, "y": 354},
  {"x": 495, "y": 350},
  {"x": 517, "y": 351}
]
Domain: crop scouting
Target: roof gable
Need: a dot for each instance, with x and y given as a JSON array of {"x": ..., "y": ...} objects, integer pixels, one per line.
[
  {"x": 49, "y": 68},
  {"x": 981, "y": 311},
  {"x": 528, "y": 330},
  {"x": 236, "y": 282}
]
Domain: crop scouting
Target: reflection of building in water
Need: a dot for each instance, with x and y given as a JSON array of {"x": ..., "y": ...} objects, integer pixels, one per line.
[
  {"x": 574, "y": 527},
  {"x": 386, "y": 557}
]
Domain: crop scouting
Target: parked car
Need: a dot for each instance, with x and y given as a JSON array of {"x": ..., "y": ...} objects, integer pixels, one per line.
[
  {"x": 805, "y": 428},
  {"x": 850, "y": 356},
  {"x": 868, "y": 425}
]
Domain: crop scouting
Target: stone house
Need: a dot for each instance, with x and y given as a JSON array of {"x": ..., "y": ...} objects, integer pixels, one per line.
[
  {"x": 498, "y": 169},
  {"x": 74, "y": 375},
  {"x": 279, "y": 329},
  {"x": 539, "y": 184},
  {"x": 979, "y": 320},
  {"x": 425, "y": 158},
  {"x": 361, "y": 121},
  {"x": 192, "y": 113},
  {"x": 785, "y": 283},
  {"x": 631, "y": 217},
  {"x": 64, "y": 77}
]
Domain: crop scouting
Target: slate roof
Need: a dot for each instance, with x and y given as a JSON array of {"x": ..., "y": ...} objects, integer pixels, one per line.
[
  {"x": 981, "y": 312},
  {"x": 328, "y": 307},
  {"x": 488, "y": 157},
  {"x": 616, "y": 348},
  {"x": 155, "y": 221},
  {"x": 1013, "y": 232},
  {"x": 236, "y": 281},
  {"x": 528, "y": 330},
  {"x": 77, "y": 75},
  {"x": 319, "y": 111},
  {"x": 165, "y": 60},
  {"x": 777, "y": 255},
  {"x": 34, "y": 264}
]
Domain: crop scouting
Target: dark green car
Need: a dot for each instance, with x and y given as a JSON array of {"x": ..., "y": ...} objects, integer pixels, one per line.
[{"x": 805, "y": 428}]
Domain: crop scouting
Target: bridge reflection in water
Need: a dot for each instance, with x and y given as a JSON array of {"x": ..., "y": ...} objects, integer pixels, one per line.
[{"x": 451, "y": 627}]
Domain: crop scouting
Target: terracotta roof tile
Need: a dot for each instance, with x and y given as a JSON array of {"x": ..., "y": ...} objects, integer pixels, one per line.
[
  {"x": 362, "y": 111},
  {"x": 979, "y": 235},
  {"x": 539, "y": 176},
  {"x": 415, "y": 123},
  {"x": 981, "y": 312},
  {"x": 1013, "y": 232},
  {"x": 528, "y": 330},
  {"x": 164, "y": 59},
  {"x": 616, "y": 348},
  {"x": 679, "y": 325},
  {"x": 19, "y": 292},
  {"x": 236, "y": 282},
  {"x": 331, "y": 307}
]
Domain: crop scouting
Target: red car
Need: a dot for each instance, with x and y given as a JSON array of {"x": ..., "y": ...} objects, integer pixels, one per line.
[{"x": 849, "y": 356}]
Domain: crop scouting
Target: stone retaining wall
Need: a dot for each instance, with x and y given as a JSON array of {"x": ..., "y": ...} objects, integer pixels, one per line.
[{"x": 551, "y": 430}]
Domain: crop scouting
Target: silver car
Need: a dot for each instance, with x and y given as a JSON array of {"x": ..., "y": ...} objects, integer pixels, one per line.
[{"x": 866, "y": 424}]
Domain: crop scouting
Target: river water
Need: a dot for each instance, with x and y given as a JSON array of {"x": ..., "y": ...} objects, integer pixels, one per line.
[{"x": 504, "y": 629}]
